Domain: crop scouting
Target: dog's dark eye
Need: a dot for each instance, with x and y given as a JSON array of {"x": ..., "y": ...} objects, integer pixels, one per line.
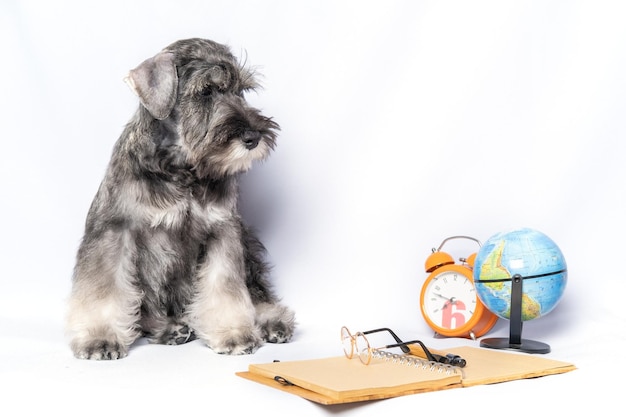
[{"x": 206, "y": 91}]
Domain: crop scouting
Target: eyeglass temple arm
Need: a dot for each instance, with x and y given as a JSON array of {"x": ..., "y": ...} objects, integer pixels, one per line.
[
  {"x": 434, "y": 356},
  {"x": 402, "y": 345},
  {"x": 427, "y": 352},
  {"x": 437, "y": 356}
]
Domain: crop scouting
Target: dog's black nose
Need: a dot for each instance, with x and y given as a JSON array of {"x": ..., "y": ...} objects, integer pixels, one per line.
[{"x": 251, "y": 139}]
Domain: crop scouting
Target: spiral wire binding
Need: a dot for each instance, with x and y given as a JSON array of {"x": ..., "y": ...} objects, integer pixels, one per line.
[{"x": 417, "y": 362}]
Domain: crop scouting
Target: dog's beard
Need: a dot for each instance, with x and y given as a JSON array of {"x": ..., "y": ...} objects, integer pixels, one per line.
[
  {"x": 236, "y": 158},
  {"x": 223, "y": 150}
]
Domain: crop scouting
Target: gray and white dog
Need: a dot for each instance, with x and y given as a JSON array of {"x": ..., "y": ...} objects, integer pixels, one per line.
[{"x": 165, "y": 253}]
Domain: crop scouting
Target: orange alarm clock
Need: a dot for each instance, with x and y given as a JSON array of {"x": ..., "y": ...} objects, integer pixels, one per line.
[{"x": 448, "y": 299}]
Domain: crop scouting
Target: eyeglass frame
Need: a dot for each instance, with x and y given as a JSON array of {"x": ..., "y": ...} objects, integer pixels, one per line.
[
  {"x": 448, "y": 359},
  {"x": 400, "y": 344}
]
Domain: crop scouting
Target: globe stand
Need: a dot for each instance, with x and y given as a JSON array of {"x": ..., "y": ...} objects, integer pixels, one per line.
[{"x": 515, "y": 341}]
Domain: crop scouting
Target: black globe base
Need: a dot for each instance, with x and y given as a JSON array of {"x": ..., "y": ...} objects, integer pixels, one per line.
[
  {"x": 515, "y": 341},
  {"x": 527, "y": 346}
]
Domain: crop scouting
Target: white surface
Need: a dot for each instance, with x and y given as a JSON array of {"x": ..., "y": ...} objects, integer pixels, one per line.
[{"x": 403, "y": 123}]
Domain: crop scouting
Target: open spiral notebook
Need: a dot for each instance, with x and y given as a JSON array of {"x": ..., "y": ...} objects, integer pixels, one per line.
[{"x": 337, "y": 380}]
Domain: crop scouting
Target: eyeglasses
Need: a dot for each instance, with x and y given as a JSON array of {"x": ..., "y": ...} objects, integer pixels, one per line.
[{"x": 358, "y": 343}]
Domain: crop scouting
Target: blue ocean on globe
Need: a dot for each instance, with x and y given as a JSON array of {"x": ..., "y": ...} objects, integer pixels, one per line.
[{"x": 526, "y": 252}]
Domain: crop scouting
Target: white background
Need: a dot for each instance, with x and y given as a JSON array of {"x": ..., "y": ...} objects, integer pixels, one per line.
[{"x": 403, "y": 123}]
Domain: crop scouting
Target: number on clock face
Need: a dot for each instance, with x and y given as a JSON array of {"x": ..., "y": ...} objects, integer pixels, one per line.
[{"x": 450, "y": 300}]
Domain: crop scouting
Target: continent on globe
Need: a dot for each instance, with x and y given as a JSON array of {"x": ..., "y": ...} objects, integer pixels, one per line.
[
  {"x": 529, "y": 254},
  {"x": 493, "y": 270}
]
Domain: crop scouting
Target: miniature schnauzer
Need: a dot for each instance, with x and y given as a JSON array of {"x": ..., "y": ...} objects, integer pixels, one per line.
[{"x": 165, "y": 253}]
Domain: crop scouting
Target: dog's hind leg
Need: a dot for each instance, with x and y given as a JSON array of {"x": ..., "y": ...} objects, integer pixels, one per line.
[{"x": 173, "y": 333}]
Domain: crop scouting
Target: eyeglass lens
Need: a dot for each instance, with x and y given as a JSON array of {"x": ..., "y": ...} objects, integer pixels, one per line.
[
  {"x": 363, "y": 348},
  {"x": 348, "y": 342}
]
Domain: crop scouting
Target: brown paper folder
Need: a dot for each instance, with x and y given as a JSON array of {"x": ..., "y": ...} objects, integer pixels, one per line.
[
  {"x": 488, "y": 366},
  {"x": 339, "y": 380}
]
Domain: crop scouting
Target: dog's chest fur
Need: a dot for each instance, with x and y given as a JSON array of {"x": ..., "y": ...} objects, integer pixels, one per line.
[
  {"x": 157, "y": 188},
  {"x": 170, "y": 215}
]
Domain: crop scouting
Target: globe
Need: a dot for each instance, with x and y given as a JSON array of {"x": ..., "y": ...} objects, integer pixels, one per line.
[{"x": 529, "y": 254}]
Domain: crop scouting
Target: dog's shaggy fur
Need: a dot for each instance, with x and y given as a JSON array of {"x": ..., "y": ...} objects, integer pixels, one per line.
[{"x": 165, "y": 253}]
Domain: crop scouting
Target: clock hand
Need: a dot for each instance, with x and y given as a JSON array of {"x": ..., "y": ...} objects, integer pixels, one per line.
[{"x": 451, "y": 300}]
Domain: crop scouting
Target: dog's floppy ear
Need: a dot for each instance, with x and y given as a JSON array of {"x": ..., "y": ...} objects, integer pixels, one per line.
[{"x": 155, "y": 81}]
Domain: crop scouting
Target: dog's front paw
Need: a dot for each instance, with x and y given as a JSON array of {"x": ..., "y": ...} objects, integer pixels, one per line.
[
  {"x": 237, "y": 343},
  {"x": 277, "y": 331},
  {"x": 100, "y": 350},
  {"x": 276, "y": 321}
]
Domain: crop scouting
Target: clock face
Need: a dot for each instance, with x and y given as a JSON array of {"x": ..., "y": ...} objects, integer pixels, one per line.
[{"x": 450, "y": 299}]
